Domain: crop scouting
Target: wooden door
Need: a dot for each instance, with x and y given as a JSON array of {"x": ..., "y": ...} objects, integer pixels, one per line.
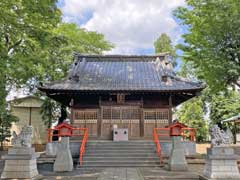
[
  {"x": 149, "y": 122},
  {"x": 122, "y": 116},
  {"x": 86, "y": 118},
  {"x": 131, "y": 120},
  {"x": 154, "y": 118}
]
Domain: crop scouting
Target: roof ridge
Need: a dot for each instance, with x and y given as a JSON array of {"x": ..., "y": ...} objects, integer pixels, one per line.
[{"x": 75, "y": 54}]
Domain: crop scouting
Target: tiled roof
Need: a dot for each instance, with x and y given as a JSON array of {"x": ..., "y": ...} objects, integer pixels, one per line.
[{"x": 122, "y": 73}]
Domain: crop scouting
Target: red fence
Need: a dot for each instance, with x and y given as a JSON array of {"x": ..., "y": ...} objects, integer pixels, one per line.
[
  {"x": 175, "y": 129},
  {"x": 70, "y": 131}
]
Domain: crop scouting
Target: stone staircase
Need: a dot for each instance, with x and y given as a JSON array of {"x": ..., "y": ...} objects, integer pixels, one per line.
[{"x": 104, "y": 154}]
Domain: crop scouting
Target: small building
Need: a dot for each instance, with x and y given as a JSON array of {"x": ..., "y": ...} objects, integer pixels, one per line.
[
  {"x": 27, "y": 109},
  {"x": 130, "y": 91}
]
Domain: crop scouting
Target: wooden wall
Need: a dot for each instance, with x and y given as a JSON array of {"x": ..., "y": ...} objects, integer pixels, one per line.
[{"x": 140, "y": 114}]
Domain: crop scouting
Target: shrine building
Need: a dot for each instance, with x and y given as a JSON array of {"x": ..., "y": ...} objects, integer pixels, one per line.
[{"x": 130, "y": 91}]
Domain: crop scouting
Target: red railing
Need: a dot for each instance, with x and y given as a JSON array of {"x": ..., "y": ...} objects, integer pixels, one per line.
[
  {"x": 184, "y": 132},
  {"x": 82, "y": 147},
  {"x": 156, "y": 140},
  {"x": 70, "y": 131},
  {"x": 191, "y": 134}
]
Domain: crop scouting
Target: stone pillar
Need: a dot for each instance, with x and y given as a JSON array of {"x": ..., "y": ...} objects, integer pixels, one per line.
[
  {"x": 177, "y": 160},
  {"x": 20, "y": 163},
  {"x": 64, "y": 161},
  {"x": 221, "y": 163}
]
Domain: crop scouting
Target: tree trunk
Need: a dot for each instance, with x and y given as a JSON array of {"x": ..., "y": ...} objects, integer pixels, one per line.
[{"x": 60, "y": 120}]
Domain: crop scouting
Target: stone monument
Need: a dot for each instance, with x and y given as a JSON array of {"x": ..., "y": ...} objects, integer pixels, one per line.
[
  {"x": 21, "y": 160},
  {"x": 64, "y": 161},
  {"x": 221, "y": 162},
  {"x": 177, "y": 160}
]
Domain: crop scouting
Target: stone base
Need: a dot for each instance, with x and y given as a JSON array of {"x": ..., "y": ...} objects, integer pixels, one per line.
[
  {"x": 64, "y": 161},
  {"x": 20, "y": 163},
  {"x": 221, "y": 163},
  {"x": 177, "y": 160}
]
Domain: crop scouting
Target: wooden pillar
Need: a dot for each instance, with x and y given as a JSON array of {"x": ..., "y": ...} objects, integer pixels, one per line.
[
  {"x": 30, "y": 116},
  {"x": 72, "y": 111},
  {"x": 99, "y": 121},
  {"x": 170, "y": 109},
  {"x": 235, "y": 133},
  {"x": 141, "y": 119}
]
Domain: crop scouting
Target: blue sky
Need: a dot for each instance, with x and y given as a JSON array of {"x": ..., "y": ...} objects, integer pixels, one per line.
[{"x": 132, "y": 26}]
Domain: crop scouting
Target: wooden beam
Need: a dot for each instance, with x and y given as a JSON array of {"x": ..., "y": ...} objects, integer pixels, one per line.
[{"x": 170, "y": 109}]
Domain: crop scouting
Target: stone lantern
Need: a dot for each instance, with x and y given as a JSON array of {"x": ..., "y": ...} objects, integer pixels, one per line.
[
  {"x": 64, "y": 161},
  {"x": 177, "y": 160}
]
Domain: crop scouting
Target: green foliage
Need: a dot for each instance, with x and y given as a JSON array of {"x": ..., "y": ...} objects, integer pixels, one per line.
[
  {"x": 66, "y": 39},
  {"x": 212, "y": 42},
  {"x": 164, "y": 44},
  {"x": 191, "y": 113},
  {"x": 49, "y": 111},
  {"x": 6, "y": 120},
  {"x": 35, "y": 46},
  {"x": 224, "y": 105},
  {"x": 25, "y": 28}
]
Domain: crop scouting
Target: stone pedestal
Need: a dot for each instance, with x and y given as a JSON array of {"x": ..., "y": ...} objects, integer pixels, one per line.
[
  {"x": 64, "y": 161},
  {"x": 221, "y": 163},
  {"x": 20, "y": 163},
  {"x": 52, "y": 148},
  {"x": 177, "y": 160}
]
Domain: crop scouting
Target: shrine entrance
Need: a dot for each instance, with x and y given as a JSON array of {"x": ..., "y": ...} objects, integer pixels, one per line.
[{"x": 122, "y": 116}]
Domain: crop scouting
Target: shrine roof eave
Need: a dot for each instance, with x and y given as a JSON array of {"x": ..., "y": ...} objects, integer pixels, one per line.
[{"x": 139, "y": 91}]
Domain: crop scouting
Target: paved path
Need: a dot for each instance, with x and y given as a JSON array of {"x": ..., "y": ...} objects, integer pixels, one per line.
[{"x": 120, "y": 174}]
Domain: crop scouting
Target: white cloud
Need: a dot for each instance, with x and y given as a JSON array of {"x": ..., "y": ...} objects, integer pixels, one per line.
[{"x": 129, "y": 24}]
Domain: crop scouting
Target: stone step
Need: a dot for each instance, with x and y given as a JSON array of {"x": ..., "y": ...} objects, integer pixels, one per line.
[
  {"x": 118, "y": 165},
  {"x": 121, "y": 146},
  {"x": 120, "y": 150},
  {"x": 121, "y": 158},
  {"x": 120, "y": 155}
]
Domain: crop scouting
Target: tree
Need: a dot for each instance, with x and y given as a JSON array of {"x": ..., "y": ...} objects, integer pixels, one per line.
[
  {"x": 74, "y": 39},
  {"x": 164, "y": 44},
  {"x": 6, "y": 120},
  {"x": 225, "y": 105},
  {"x": 49, "y": 111},
  {"x": 24, "y": 29},
  {"x": 66, "y": 39},
  {"x": 191, "y": 113},
  {"x": 36, "y": 46},
  {"x": 212, "y": 41}
]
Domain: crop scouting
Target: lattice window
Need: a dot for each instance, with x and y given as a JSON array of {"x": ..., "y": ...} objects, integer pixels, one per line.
[
  {"x": 116, "y": 113},
  {"x": 79, "y": 115},
  {"x": 161, "y": 116},
  {"x": 90, "y": 115},
  {"x": 120, "y": 113},
  {"x": 130, "y": 114},
  {"x": 106, "y": 113},
  {"x": 86, "y": 115},
  {"x": 149, "y": 115}
]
